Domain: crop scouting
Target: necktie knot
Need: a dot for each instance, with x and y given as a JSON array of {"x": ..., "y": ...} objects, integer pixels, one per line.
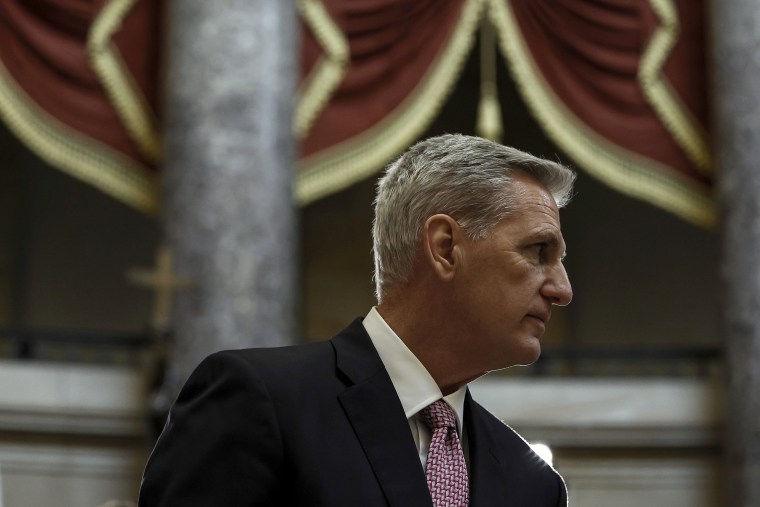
[{"x": 439, "y": 415}]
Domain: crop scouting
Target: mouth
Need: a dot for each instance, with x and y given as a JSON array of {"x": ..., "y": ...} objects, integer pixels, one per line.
[
  {"x": 538, "y": 324},
  {"x": 543, "y": 317}
]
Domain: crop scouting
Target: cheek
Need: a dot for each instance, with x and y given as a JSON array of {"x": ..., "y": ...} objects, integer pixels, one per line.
[
  {"x": 499, "y": 292},
  {"x": 521, "y": 296},
  {"x": 522, "y": 279}
]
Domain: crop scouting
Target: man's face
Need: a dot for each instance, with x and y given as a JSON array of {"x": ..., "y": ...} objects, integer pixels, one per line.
[{"x": 511, "y": 279}]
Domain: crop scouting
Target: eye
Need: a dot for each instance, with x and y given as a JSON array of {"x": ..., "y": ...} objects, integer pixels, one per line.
[{"x": 540, "y": 251}]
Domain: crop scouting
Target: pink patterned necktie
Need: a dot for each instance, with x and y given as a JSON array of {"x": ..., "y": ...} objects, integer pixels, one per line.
[{"x": 446, "y": 469}]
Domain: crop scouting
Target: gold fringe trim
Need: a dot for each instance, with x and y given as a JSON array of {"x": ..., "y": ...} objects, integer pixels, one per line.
[
  {"x": 327, "y": 73},
  {"x": 74, "y": 153},
  {"x": 624, "y": 170},
  {"x": 489, "y": 122},
  {"x": 674, "y": 115},
  {"x": 358, "y": 158},
  {"x": 129, "y": 103}
]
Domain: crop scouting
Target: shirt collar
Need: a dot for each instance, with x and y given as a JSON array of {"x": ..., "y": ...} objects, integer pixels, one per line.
[{"x": 415, "y": 387}]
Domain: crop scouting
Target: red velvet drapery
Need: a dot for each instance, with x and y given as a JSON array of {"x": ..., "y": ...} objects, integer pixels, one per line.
[
  {"x": 78, "y": 84},
  {"x": 618, "y": 84}
]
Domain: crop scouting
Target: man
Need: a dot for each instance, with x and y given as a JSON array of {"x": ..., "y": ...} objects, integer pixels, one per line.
[{"x": 468, "y": 264}]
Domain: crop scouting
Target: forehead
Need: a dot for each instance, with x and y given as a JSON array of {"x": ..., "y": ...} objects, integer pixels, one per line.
[
  {"x": 536, "y": 210},
  {"x": 530, "y": 195}
]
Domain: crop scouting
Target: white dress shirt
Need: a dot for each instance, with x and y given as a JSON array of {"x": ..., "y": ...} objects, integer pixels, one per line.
[{"x": 415, "y": 387}]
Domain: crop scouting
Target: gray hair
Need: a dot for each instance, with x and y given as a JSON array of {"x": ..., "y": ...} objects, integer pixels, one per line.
[{"x": 467, "y": 178}]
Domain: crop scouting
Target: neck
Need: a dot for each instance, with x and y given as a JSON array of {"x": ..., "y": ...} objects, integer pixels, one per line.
[{"x": 428, "y": 334}]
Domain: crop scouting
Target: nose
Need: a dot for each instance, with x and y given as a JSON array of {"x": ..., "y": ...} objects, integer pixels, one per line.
[{"x": 557, "y": 287}]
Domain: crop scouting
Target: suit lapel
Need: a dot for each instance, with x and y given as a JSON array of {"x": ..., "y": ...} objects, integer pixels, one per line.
[
  {"x": 488, "y": 481},
  {"x": 375, "y": 412}
]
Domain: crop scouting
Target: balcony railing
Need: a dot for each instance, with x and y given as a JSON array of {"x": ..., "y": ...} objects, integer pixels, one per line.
[
  {"x": 575, "y": 361},
  {"x": 617, "y": 361},
  {"x": 77, "y": 346}
]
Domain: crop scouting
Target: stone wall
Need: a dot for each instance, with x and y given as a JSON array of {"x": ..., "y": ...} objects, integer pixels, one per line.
[
  {"x": 70, "y": 435},
  {"x": 620, "y": 442}
]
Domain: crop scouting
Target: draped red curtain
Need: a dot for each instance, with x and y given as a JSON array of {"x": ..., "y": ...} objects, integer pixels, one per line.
[
  {"x": 391, "y": 44},
  {"x": 78, "y": 84},
  {"x": 619, "y": 85},
  {"x": 394, "y": 62}
]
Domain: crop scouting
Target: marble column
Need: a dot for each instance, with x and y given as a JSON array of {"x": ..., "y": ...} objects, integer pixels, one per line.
[
  {"x": 735, "y": 62},
  {"x": 229, "y": 155}
]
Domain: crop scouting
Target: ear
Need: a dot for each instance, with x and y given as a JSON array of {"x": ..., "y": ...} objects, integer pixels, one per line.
[{"x": 440, "y": 244}]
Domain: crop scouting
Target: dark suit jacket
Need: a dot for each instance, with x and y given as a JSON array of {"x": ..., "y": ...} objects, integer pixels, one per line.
[{"x": 321, "y": 425}]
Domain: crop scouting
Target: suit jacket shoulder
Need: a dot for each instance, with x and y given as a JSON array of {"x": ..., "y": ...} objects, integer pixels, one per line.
[
  {"x": 315, "y": 424},
  {"x": 499, "y": 455}
]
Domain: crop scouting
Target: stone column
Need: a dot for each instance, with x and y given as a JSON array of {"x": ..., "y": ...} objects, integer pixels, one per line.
[
  {"x": 735, "y": 61},
  {"x": 229, "y": 156}
]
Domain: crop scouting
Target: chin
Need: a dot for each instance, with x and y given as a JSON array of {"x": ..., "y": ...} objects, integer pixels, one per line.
[
  {"x": 523, "y": 356},
  {"x": 530, "y": 352}
]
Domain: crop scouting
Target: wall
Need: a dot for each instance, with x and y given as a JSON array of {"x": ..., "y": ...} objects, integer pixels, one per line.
[
  {"x": 624, "y": 442},
  {"x": 70, "y": 435},
  {"x": 66, "y": 252}
]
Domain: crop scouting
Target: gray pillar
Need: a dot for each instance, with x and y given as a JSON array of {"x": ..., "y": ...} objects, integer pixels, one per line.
[
  {"x": 735, "y": 62},
  {"x": 229, "y": 155}
]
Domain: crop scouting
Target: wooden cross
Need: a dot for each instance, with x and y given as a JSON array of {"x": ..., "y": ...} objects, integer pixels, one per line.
[{"x": 163, "y": 282}]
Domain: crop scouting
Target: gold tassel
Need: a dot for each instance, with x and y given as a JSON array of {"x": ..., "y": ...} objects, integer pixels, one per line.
[{"x": 489, "y": 122}]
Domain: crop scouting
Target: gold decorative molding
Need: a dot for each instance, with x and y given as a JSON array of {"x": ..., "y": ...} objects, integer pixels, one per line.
[
  {"x": 327, "y": 73},
  {"x": 125, "y": 96},
  {"x": 626, "y": 171},
  {"x": 357, "y": 158},
  {"x": 673, "y": 113},
  {"x": 76, "y": 154}
]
